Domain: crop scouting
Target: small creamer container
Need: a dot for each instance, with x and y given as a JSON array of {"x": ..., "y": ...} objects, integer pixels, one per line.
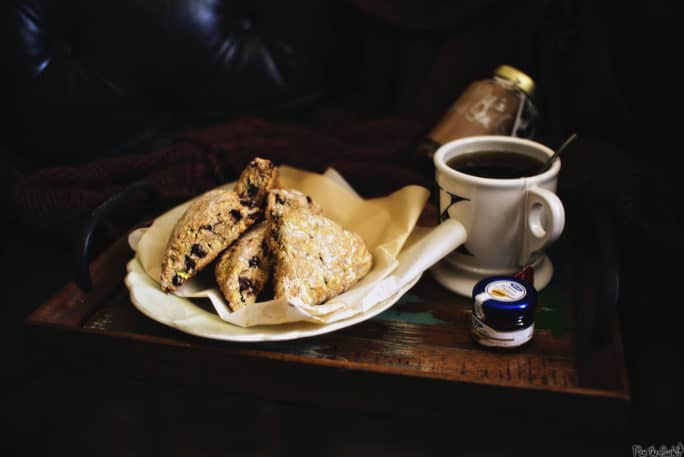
[{"x": 503, "y": 312}]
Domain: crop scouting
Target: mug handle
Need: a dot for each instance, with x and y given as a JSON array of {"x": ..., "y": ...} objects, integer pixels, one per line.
[{"x": 544, "y": 222}]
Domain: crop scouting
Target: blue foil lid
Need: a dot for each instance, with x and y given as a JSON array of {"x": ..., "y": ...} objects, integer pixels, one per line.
[{"x": 504, "y": 302}]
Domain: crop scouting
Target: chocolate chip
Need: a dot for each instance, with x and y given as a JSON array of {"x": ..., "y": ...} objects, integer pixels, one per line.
[
  {"x": 245, "y": 284},
  {"x": 308, "y": 199},
  {"x": 189, "y": 263},
  {"x": 247, "y": 202},
  {"x": 254, "y": 262},
  {"x": 177, "y": 280},
  {"x": 320, "y": 257},
  {"x": 252, "y": 189},
  {"x": 198, "y": 251},
  {"x": 279, "y": 199},
  {"x": 207, "y": 227},
  {"x": 237, "y": 215}
]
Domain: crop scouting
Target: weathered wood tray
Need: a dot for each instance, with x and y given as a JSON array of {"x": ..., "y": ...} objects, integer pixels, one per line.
[{"x": 415, "y": 358}]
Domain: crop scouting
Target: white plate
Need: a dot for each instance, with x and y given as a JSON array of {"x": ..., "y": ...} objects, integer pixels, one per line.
[{"x": 188, "y": 317}]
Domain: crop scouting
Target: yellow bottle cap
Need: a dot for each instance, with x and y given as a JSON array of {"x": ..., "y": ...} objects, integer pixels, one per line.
[{"x": 520, "y": 79}]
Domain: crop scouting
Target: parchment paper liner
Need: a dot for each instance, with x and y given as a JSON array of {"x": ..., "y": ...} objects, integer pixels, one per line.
[{"x": 387, "y": 225}]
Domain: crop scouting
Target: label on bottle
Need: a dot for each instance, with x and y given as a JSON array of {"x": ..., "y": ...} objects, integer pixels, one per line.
[
  {"x": 487, "y": 107},
  {"x": 487, "y": 336}
]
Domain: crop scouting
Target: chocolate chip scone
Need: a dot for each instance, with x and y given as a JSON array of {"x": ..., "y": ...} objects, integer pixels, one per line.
[
  {"x": 314, "y": 258},
  {"x": 280, "y": 201},
  {"x": 257, "y": 178},
  {"x": 243, "y": 269},
  {"x": 209, "y": 225}
]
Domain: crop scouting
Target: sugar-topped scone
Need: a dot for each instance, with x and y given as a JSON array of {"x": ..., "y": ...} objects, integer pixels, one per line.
[
  {"x": 243, "y": 269},
  {"x": 280, "y": 201},
  {"x": 258, "y": 177},
  {"x": 314, "y": 258},
  {"x": 209, "y": 225}
]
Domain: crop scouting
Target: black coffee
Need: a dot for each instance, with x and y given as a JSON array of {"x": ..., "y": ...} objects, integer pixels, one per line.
[{"x": 496, "y": 164}]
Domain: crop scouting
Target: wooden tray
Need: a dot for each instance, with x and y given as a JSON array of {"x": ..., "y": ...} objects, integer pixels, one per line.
[{"x": 415, "y": 358}]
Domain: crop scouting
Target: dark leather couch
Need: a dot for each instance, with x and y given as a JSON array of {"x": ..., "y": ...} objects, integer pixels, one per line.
[{"x": 85, "y": 79}]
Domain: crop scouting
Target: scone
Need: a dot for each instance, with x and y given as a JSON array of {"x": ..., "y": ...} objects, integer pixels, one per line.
[
  {"x": 314, "y": 258},
  {"x": 209, "y": 225},
  {"x": 243, "y": 269},
  {"x": 258, "y": 177},
  {"x": 280, "y": 201}
]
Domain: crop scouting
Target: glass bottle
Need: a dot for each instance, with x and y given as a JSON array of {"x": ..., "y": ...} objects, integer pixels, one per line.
[{"x": 500, "y": 105}]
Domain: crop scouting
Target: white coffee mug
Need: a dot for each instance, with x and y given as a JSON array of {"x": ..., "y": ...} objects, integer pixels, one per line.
[{"x": 509, "y": 222}]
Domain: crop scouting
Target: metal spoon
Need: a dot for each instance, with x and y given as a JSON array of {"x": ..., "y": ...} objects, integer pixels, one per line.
[{"x": 555, "y": 155}]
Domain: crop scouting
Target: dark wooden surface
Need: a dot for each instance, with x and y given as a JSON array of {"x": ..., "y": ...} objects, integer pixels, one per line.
[
  {"x": 420, "y": 345},
  {"x": 97, "y": 378}
]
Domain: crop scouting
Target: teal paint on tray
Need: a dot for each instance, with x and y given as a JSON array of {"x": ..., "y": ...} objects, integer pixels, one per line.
[
  {"x": 414, "y": 318},
  {"x": 555, "y": 299}
]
